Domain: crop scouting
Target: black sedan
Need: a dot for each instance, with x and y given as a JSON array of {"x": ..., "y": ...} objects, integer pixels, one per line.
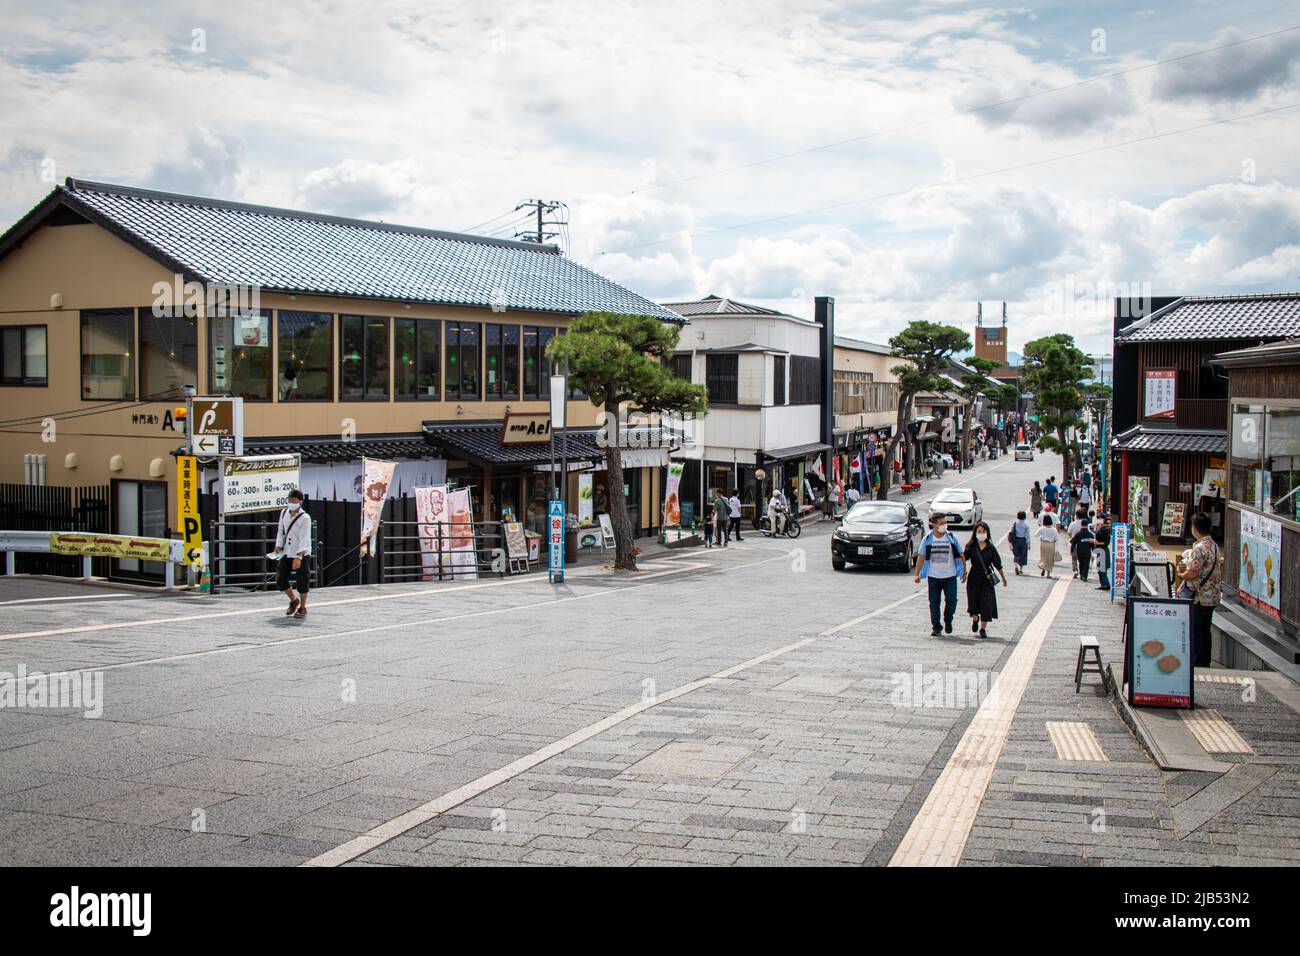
[{"x": 877, "y": 532}]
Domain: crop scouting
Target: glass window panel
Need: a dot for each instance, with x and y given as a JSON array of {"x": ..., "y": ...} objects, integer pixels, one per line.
[
  {"x": 35, "y": 360},
  {"x": 492, "y": 368},
  {"x": 240, "y": 360},
  {"x": 1282, "y": 461},
  {"x": 469, "y": 360},
  {"x": 108, "y": 354},
  {"x": 532, "y": 388},
  {"x": 453, "y": 360},
  {"x": 510, "y": 360},
  {"x": 1247, "y": 449},
  {"x": 352, "y": 356},
  {"x": 306, "y": 341},
  {"x": 376, "y": 358},
  {"x": 169, "y": 353},
  {"x": 11, "y": 355}
]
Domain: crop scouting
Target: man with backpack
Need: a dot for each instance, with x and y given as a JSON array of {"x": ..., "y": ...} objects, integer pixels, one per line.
[{"x": 939, "y": 561}]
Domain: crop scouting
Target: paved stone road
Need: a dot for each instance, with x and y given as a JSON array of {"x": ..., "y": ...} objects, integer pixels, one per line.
[{"x": 737, "y": 706}]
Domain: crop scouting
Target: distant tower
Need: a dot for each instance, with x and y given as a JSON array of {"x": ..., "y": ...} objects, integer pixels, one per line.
[{"x": 991, "y": 340}]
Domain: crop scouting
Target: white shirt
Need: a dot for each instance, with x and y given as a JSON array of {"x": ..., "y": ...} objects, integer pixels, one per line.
[
  {"x": 1075, "y": 526},
  {"x": 1048, "y": 533},
  {"x": 295, "y": 540},
  {"x": 774, "y": 505},
  {"x": 1085, "y": 496},
  {"x": 734, "y": 503}
]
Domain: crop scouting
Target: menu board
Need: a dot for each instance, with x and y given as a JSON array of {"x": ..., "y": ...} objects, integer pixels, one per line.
[
  {"x": 1159, "y": 652},
  {"x": 1173, "y": 522},
  {"x": 516, "y": 543}
]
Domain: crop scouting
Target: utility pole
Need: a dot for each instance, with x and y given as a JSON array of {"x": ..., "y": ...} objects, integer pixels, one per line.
[{"x": 542, "y": 210}]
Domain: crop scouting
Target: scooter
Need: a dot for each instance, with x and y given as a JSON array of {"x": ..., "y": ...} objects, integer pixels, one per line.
[{"x": 792, "y": 529}]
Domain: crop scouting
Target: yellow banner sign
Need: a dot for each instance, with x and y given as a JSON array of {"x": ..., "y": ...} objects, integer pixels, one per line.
[
  {"x": 187, "y": 509},
  {"x": 109, "y": 545}
]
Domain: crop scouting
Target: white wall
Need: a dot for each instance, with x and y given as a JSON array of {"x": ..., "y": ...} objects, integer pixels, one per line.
[{"x": 790, "y": 425}]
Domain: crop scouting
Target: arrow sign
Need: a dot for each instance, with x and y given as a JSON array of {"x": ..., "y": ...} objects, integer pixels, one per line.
[{"x": 204, "y": 444}]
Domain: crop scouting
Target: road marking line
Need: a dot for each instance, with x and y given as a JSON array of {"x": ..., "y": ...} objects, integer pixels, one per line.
[
  {"x": 400, "y": 624},
  {"x": 1074, "y": 740},
  {"x": 870, "y": 614},
  {"x": 938, "y": 834},
  {"x": 395, "y": 827},
  {"x": 1214, "y": 733},
  {"x": 75, "y": 597}
]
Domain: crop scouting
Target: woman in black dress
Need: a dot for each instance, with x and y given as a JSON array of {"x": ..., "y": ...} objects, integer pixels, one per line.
[{"x": 983, "y": 567}]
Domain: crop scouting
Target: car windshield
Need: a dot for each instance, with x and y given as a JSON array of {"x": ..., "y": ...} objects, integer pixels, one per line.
[
  {"x": 953, "y": 497},
  {"x": 876, "y": 514}
]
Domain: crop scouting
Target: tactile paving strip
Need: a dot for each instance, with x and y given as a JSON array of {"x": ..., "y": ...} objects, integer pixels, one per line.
[
  {"x": 1214, "y": 733},
  {"x": 1074, "y": 740}
]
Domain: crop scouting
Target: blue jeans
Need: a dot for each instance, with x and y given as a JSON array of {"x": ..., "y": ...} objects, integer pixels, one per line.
[{"x": 947, "y": 587}]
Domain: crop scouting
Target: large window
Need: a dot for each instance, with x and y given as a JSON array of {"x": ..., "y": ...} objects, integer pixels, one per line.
[
  {"x": 778, "y": 380},
  {"x": 169, "y": 353},
  {"x": 537, "y": 367},
  {"x": 805, "y": 380},
  {"x": 108, "y": 354},
  {"x": 722, "y": 379},
  {"x": 363, "y": 360},
  {"x": 23, "y": 355},
  {"x": 463, "y": 361},
  {"x": 306, "y": 348},
  {"x": 501, "y": 361},
  {"x": 679, "y": 365},
  {"x": 240, "y": 361},
  {"x": 417, "y": 358},
  {"x": 1265, "y": 446}
]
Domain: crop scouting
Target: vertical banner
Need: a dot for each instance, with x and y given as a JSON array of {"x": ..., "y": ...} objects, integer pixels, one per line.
[
  {"x": 1137, "y": 491},
  {"x": 1161, "y": 393},
  {"x": 187, "y": 509},
  {"x": 1260, "y": 567},
  {"x": 460, "y": 534},
  {"x": 430, "y": 512},
  {"x": 1119, "y": 559},
  {"x": 673, "y": 504},
  {"x": 376, "y": 476},
  {"x": 585, "y": 493},
  {"x": 837, "y": 472}
]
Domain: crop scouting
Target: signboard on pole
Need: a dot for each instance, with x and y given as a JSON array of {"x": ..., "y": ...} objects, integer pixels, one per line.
[
  {"x": 1159, "y": 651},
  {"x": 555, "y": 540},
  {"x": 1119, "y": 559},
  {"x": 430, "y": 513},
  {"x": 259, "y": 483},
  {"x": 187, "y": 510},
  {"x": 217, "y": 427},
  {"x": 673, "y": 503},
  {"x": 1260, "y": 567},
  {"x": 376, "y": 476}
]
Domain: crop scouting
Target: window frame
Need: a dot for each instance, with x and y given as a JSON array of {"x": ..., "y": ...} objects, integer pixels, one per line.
[
  {"x": 460, "y": 394},
  {"x": 332, "y": 386},
  {"x": 417, "y": 325},
  {"x": 175, "y": 314},
  {"x": 81, "y": 355},
  {"x": 543, "y": 364},
  {"x": 501, "y": 352},
  {"x": 24, "y": 380},
  {"x": 729, "y": 383},
  {"x": 365, "y": 395},
  {"x": 272, "y": 378}
]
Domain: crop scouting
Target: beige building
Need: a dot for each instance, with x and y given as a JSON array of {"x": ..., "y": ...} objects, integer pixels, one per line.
[
  {"x": 345, "y": 339},
  {"x": 866, "y": 408}
]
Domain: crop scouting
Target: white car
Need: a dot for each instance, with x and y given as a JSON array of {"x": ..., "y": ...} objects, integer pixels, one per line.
[
  {"x": 1024, "y": 453},
  {"x": 948, "y": 461},
  {"x": 962, "y": 506}
]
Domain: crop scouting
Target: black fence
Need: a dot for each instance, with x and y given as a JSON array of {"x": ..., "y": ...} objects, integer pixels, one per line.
[
  {"x": 54, "y": 508},
  {"x": 238, "y": 546}
]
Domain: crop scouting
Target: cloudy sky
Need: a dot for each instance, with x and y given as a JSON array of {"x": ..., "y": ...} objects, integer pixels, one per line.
[{"x": 909, "y": 159}]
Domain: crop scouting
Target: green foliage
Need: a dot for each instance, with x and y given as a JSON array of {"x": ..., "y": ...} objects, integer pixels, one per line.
[
  {"x": 927, "y": 347},
  {"x": 621, "y": 358},
  {"x": 1055, "y": 370}
]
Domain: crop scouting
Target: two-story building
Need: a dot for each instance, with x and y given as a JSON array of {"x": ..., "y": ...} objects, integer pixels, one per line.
[
  {"x": 866, "y": 410},
  {"x": 344, "y": 338},
  {"x": 1171, "y": 404},
  {"x": 764, "y": 373}
]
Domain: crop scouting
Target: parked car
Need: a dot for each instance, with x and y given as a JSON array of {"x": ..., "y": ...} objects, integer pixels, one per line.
[
  {"x": 962, "y": 506},
  {"x": 1024, "y": 453},
  {"x": 877, "y": 532}
]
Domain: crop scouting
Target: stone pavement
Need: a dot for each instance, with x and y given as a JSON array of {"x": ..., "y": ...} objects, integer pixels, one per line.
[{"x": 739, "y": 706}]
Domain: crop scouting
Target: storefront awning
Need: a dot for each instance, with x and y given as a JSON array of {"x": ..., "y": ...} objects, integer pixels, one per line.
[
  {"x": 796, "y": 451},
  {"x": 333, "y": 448},
  {"x": 1193, "y": 441},
  {"x": 480, "y": 443}
]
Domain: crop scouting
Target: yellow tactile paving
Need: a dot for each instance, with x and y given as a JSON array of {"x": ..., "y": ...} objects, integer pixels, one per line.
[
  {"x": 1214, "y": 733},
  {"x": 938, "y": 834},
  {"x": 1074, "y": 740}
]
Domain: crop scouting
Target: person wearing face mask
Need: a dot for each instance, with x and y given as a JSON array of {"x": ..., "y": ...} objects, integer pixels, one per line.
[
  {"x": 293, "y": 548},
  {"x": 983, "y": 568},
  {"x": 939, "y": 561}
]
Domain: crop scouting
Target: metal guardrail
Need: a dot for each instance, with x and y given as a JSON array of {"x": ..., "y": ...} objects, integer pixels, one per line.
[
  {"x": 38, "y": 542},
  {"x": 251, "y": 571},
  {"x": 417, "y": 551}
]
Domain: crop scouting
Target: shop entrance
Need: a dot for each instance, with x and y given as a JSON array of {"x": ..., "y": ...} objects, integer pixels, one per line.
[{"x": 139, "y": 508}]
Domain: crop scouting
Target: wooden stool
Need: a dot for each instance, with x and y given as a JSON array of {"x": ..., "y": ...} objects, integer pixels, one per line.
[{"x": 1084, "y": 666}]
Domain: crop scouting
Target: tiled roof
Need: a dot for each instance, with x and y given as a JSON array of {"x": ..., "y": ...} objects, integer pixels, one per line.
[
  {"x": 861, "y": 345},
  {"x": 284, "y": 250},
  {"x": 1286, "y": 351},
  {"x": 1264, "y": 316},
  {"x": 336, "y": 449},
  {"x": 482, "y": 443},
  {"x": 1195, "y": 441},
  {"x": 717, "y": 305}
]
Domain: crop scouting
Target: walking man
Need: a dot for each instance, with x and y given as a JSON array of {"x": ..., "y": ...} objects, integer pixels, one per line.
[
  {"x": 1051, "y": 493},
  {"x": 293, "y": 547},
  {"x": 733, "y": 504},
  {"x": 939, "y": 561},
  {"x": 721, "y": 512}
]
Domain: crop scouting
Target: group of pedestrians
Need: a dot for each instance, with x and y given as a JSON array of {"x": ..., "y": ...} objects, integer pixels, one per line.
[{"x": 722, "y": 519}]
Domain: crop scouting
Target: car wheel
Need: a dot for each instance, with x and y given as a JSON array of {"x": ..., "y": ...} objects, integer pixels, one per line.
[
  {"x": 907, "y": 559},
  {"x": 837, "y": 563}
]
